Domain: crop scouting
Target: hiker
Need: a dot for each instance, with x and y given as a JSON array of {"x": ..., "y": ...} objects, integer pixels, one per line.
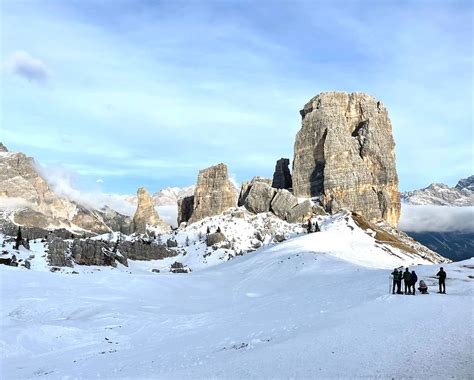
[
  {"x": 396, "y": 281},
  {"x": 423, "y": 288},
  {"x": 406, "y": 280},
  {"x": 442, "y": 280},
  {"x": 399, "y": 282},
  {"x": 413, "y": 281}
]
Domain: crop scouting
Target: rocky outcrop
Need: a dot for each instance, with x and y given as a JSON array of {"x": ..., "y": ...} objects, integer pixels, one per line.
[
  {"x": 285, "y": 205},
  {"x": 345, "y": 155},
  {"x": 58, "y": 253},
  {"x": 246, "y": 186},
  {"x": 3, "y": 148},
  {"x": 185, "y": 208},
  {"x": 94, "y": 252},
  {"x": 146, "y": 214},
  {"x": 466, "y": 183},
  {"x": 282, "y": 175},
  {"x": 214, "y": 194},
  {"x": 259, "y": 197},
  {"x": 24, "y": 190},
  {"x": 145, "y": 250}
]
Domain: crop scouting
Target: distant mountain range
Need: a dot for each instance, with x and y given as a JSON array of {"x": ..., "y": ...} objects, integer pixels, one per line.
[
  {"x": 456, "y": 245},
  {"x": 442, "y": 195}
]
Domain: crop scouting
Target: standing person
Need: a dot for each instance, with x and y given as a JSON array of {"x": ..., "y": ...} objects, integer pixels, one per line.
[
  {"x": 406, "y": 280},
  {"x": 442, "y": 280},
  {"x": 399, "y": 282},
  {"x": 395, "y": 279},
  {"x": 413, "y": 280}
]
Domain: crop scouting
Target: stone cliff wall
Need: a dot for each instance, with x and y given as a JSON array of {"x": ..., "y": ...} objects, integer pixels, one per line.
[{"x": 345, "y": 154}]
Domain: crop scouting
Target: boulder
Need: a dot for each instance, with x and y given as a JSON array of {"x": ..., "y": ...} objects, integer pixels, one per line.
[
  {"x": 283, "y": 203},
  {"x": 301, "y": 212},
  {"x": 214, "y": 193},
  {"x": 214, "y": 238},
  {"x": 259, "y": 197},
  {"x": 171, "y": 243},
  {"x": 282, "y": 175},
  {"x": 146, "y": 214},
  {"x": 345, "y": 155},
  {"x": 246, "y": 186},
  {"x": 178, "y": 267}
]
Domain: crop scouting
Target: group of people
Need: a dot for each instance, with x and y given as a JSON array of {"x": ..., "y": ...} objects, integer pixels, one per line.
[{"x": 410, "y": 279}]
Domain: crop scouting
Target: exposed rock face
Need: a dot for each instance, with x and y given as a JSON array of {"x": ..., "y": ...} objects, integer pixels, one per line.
[
  {"x": 245, "y": 188},
  {"x": 145, "y": 250},
  {"x": 213, "y": 195},
  {"x": 259, "y": 197},
  {"x": 24, "y": 190},
  {"x": 3, "y": 148},
  {"x": 185, "y": 208},
  {"x": 345, "y": 154},
  {"x": 466, "y": 183},
  {"x": 282, "y": 175},
  {"x": 58, "y": 253},
  {"x": 92, "y": 252},
  {"x": 285, "y": 205},
  {"x": 146, "y": 214}
]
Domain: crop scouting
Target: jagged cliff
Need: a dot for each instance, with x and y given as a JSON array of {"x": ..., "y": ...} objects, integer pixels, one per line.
[
  {"x": 344, "y": 154},
  {"x": 146, "y": 214}
]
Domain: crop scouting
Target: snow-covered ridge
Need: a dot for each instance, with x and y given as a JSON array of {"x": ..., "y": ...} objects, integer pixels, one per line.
[{"x": 442, "y": 195}]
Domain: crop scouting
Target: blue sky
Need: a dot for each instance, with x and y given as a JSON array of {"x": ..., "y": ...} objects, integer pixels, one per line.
[{"x": 146, "y": 92}]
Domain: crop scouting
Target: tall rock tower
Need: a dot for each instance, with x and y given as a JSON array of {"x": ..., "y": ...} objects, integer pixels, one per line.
[
  {"x": 345, "y": 154},
  {"x": 146, "y": 215}
]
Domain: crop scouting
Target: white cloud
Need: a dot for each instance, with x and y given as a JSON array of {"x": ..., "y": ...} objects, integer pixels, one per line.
[
  {"x": 99, "y": 180},
  {"x": 24, "y": 65},
  {"x": 61, "y": 182},
  {"x": 436, "y": 218}
]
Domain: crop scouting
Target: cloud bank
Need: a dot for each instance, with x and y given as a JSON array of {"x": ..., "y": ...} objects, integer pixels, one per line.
[
  {"x": 430, "y": 218},
  {"x": 22, "y": 64}
]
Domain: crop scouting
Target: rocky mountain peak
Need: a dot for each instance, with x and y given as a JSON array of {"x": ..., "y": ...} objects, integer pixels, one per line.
[
  {"x": 282, "y": 175},
  {"x": 146, "y": 214},
  {"x": 466, "y": 183},
  {"x": 345, "y": 155},
  {"x": 214, "y": 193},
  {"x": 3, "y": 148}
]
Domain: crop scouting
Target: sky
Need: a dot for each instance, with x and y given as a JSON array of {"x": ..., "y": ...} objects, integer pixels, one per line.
[{"x": 122, "y": 94}]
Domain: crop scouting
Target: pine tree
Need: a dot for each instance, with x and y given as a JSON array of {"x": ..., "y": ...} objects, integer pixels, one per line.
[
  {"x": 208, "y": 231},
  {"x": 18, "y": 238},
  {"x": 218, "y": 229}
]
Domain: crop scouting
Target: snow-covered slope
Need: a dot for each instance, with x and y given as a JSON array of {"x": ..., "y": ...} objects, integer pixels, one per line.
[
  {"x": 443, "y": 195},
  {"x": 311, "y": 307}
]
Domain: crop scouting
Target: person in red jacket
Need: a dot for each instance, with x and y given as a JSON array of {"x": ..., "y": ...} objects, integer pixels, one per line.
[{"x": 442, "y": 280}]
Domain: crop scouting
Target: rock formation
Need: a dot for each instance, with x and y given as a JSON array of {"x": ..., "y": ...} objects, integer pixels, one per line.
[
  {"x": 245, "y": 188},
  {"x": 282, "y": 175},
  {"x": 345, "y": 155},
  {"x": 146, "y": 214},
  {"x": 259, "y": 197},
  {"x": 213, "y": 195},
  {"x": 25, "y": 192}
]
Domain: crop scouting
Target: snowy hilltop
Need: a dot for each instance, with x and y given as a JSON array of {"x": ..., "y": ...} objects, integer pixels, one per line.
[{"x": 306, "y": 301}]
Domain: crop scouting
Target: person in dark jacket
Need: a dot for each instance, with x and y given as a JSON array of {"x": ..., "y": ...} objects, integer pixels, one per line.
[
  {"x": 399, "y": 282},
  {"x": 396, "y": 281},
  {"x": 413, "y": 281},
  {"x": 406, "y": 280},
  {"x": 442, "y": 280}
]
